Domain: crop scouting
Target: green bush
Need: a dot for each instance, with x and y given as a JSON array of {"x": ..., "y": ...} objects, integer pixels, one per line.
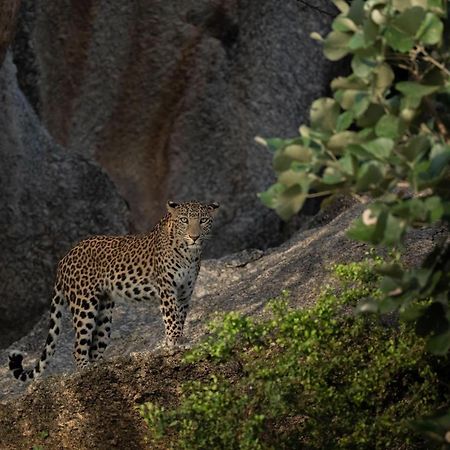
[
  {"x": 383, "y": 133},
  {"x": 311, "y": 378}
]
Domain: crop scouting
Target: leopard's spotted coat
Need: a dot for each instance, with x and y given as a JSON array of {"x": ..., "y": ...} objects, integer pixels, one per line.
[{"x": 160, "y": 266}]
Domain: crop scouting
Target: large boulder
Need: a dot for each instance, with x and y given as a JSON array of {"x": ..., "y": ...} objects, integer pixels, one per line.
[
  {"x": 10, "y": 9},
  {"x": 50, "y": 199},
  {"x": 168, "y": 97}
]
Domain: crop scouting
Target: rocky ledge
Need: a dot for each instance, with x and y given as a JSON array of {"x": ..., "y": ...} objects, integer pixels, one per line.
[{"x": 95, "y": 408}]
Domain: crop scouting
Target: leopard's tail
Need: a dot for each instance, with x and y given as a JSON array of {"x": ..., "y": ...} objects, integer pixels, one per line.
[{"x": 15, "y": 357}]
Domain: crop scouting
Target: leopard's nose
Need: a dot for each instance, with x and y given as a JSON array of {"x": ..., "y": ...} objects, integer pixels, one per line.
[{"x": 194, "y": 237}]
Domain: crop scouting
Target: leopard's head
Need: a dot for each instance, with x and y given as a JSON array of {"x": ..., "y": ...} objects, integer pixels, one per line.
[{"x": 192, "y": 221}]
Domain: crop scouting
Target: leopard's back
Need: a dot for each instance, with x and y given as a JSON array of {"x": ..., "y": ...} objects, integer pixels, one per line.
[{"x": 112, "y": 264}]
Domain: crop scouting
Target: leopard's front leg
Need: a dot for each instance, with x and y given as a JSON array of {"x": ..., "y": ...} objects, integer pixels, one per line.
[
  {"x": 183, "y": 307},
  {"x": 185, "y": 290},
  {"x": 172, "y": 318}
]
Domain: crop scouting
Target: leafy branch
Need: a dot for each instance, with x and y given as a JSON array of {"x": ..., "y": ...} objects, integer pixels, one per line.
[{"x": 386, "y": 125}]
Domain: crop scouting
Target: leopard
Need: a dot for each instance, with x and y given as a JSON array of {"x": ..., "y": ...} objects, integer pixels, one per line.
[{"x": 159, "y": 266}]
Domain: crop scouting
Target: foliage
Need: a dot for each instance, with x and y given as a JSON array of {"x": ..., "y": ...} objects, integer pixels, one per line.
[
  {"x": 316, "y": 378},
  {"x": 383, "y": 133},
  {"x": 42, "y": 435},
  {"x": 437, "y": 428}
]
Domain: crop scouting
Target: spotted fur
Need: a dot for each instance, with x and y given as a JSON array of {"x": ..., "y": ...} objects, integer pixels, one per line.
[{"x": 160, "y": 266}]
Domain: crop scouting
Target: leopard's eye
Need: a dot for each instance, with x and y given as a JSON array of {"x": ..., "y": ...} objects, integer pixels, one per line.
[
  {"x": 203, "y": 220},
  {"x": 184, "y": 219}
]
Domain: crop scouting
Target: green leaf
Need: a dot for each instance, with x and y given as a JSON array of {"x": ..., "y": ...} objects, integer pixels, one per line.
[
  {"x": 435, "y": 208},
  {"x": 380, "y": 148},
  {"x": 316, "y": 36},
  {"x": 440, "y": 157},
  {"x": 389, "y": 286},
  {"x": 384, "y": 76},
  {"x": 412, "y": 311},
  {"x": 363, "y": 66},
  {"x": 411, "y": 210},
  {"x": 339, "y": 141},
  {"x": 289, "y": 178},
  {"x": 351, "y": 82},
  {"x": 332, "y": 175},
  {"x": 415, "y": 148},
  {"x": 369, "y": 227},
  {"x": 324, "y": 113},
  {"x": 402, "y": 5},
  {"x": 439, "y": 344},
  {"x": 354, "y": 100},
  {"x": 304, "y": 131},
  {"x": 335, "y": 45},
  {"x": 347, "y": 164},
  {"x": 410, "y": 20},
  {"x": 357, "y": 41},
  {"x": 371, "y": 32},
  {"x": 299, "y": 153},
  {"x": 281, "y": 161},
  {"x": 344, "y": 121},
  {"x": 394, "y": 230},
  {"x": 360, "y": 232},
  {"x": 437, "y": 6},
  {"x": 357, "y": 151},
  {"x": 269, "y": 197},
  {"x": 290, "y": 202},
  {"x": 344, "y": 24},
  {"x": 341, "y": 5},
  {"x": 388, "y": 126},
  {"x": 361, "y": 103},
  {"x": 275, "y": 143},
  {"x": 378, "y": 16},
  {"x": 399, "y": 40},
  {"x": 388, "y": 304},
  {"x": 401, "y": 31},
  {"x": 43, "y": 434},
  {"x": 414, "y": 89},
  {"x": 366, "y": 134},
  {"x": 430, "y": 32},
  {"x": 356, "y": 11},
  {"x": 369, "y": 176},
  {"x": 371, "y": 116}
]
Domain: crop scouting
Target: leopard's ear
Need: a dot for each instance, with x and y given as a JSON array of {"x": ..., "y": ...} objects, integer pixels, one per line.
[
  {"x": 212, "y": 208},
  {"x": 171, "y": 206}
]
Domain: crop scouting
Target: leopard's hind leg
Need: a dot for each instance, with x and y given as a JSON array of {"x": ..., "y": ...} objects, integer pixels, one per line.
[
  {"x": 102, "y": 332},
  {"x": 85, "y": 311}
]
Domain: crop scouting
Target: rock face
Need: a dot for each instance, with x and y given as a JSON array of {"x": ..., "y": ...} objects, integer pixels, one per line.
[
  {"x": 50, "y": 199},
  {"x": 10, "y": 9},
  {"x": 132, "y": 373},
  {"x": 168, "y": 97}
]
